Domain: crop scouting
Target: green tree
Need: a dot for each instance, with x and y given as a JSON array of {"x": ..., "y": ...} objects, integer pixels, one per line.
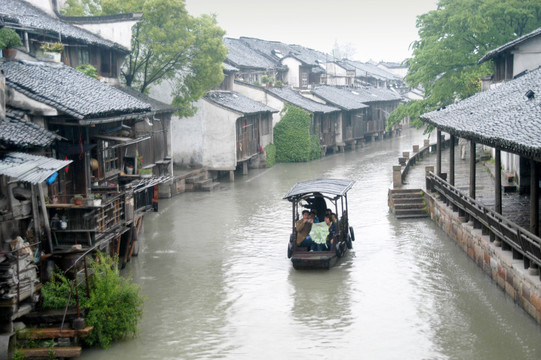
[
  {"x": 452, "y": 40},
  {"x": 168, "y": 44}
]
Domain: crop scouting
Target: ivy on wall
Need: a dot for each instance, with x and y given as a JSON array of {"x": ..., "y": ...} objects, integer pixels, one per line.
[
  {"x": 270, "y": 152},
  {"x": 292, "y": 137}
]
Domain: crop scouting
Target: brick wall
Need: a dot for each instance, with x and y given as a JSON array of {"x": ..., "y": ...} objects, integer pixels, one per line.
[{"x": 508, "y": 273}]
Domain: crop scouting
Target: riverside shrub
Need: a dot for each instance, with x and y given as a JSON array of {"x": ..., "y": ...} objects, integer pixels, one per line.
[
  {"x": 292, "y": 136},
  {"x": 113, "y": 308}
]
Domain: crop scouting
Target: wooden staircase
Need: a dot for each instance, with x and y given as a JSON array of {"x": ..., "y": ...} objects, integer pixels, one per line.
[
  {"x": 46, "y": 331},
  {"x": 407, "y": 203}
]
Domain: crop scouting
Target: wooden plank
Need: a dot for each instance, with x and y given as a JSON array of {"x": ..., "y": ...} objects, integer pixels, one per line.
[
  {"x": 53, "y": 333},
  {"x": 57, "y": 352}
]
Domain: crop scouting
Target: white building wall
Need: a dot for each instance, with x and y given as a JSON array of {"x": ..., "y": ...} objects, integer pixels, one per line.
[
  {"x": 119, "y": 32},
  {"x": 336, "y": 75},
  {"x": 219, "y": 137},
  {"x": 45, "y": 5},
  {"x": 292, "y": 77},
  {"x": 263, "y": 97},
  {"x": 527, "y": 56}
]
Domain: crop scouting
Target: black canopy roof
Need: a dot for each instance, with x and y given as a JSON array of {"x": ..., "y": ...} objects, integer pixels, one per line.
[{"x": 337, "y": 187}]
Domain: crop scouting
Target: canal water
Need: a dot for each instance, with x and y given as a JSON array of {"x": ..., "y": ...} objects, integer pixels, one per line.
[{"x": 218, "y": 284}]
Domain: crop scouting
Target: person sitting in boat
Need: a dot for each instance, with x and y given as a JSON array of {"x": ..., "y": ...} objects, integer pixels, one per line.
[
  {"x": 313, "y": 217},
  {"x": 318, "y": 204},
  {"x": 333, "y": 229},
  {"x": 303, "y": 227}
]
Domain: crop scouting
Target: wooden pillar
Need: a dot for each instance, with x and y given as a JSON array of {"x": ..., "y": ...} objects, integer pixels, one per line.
[
  {"x": 534, "y": 198},
  {"x": 472, "y": 169},
  {"x": 438, "y": 152},
  {"x": 498, "y": 182},
  {"x": 452, "y": 160}
]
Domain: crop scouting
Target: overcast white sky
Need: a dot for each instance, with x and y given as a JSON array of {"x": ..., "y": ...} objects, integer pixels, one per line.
[{"x": 375, "y": 29}]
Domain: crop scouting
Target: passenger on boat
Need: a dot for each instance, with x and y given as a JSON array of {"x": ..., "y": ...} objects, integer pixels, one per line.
[
  {"x": 303, "y": 227},
  {"x": 333, "y": 229},
  {"x": 318, "y": 204},
  {"x": 314, "y": 217}
]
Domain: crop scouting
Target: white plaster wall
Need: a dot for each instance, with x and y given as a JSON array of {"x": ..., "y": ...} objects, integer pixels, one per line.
[
  {"x": 187, "y": 138},
  {"x": 336, "y": 75},
  {"x": 119, "y": 32},
  {"x": 261, "y": 96},
  {"x": 219, "y": 137},
  {"x": 527, "y": 56},
  {"x": 21, "y": 101},
  {"x": 292, "y": 76},
  {"x": 45, "y": 5}
]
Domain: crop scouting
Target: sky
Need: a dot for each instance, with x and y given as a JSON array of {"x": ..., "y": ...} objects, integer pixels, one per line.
[{"x": 378, "y": 30}]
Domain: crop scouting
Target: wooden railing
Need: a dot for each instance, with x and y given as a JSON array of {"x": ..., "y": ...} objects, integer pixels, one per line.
[{"x": 522, "y": 242}]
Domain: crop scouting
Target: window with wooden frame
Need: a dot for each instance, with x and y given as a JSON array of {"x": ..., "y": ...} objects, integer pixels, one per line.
[{"x": 109, "y": 157}]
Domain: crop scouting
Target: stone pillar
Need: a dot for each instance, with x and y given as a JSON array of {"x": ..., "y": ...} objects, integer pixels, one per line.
[
  {"x": 428, "y": 169},
  {"x": 426, "y": 143},
  {"x": 231, "y": 175},
  {"x": 415, "y": 148},
  {"x": 406, "y": 154},
  {"x": 245, "y": 168},
  {"x": 397, "y": 176}
]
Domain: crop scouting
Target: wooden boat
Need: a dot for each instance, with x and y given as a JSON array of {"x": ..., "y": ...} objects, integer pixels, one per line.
[{"x": 320, "y": 195}]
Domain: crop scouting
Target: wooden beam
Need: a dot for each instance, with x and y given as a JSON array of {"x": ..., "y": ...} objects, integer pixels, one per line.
[
  {"x": 452, "y": 160},
  {"x": 56, "y": 352},
  {"x": 53, "y": 333},
  {"x": 498, "y": 182},
  {"x": 45, "y": 217},
  {"x": 472, "y": 169},
  {"x": 534, "y": 198},
  {"x": 438, "y": 152}
]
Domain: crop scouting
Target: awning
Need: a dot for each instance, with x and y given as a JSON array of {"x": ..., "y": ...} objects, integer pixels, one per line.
[
  {"x": 122, "y": 141},
  {"x": 30, "y": 168}
]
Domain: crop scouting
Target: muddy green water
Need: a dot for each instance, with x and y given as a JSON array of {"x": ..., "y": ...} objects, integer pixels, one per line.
[{"x": 218, "y": 284}]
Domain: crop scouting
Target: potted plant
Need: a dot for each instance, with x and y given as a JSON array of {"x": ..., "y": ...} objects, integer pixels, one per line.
[
  {"x": 78, "y": 199},
  {"x": 52, "y": 51},
  {"x": 145, "y": 173},
  {"x": 96, "y": 200},
  {"x": 9, "y": 40}
]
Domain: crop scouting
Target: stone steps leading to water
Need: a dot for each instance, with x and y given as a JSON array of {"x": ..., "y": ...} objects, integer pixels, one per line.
[{"x": 407, "y": 203}]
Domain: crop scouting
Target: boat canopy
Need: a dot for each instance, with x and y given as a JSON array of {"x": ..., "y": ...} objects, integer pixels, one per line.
[{"x": 337, "y": 187}]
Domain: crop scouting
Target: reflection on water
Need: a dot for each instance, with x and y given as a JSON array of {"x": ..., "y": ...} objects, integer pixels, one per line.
[{"x": 218, "y": 284}]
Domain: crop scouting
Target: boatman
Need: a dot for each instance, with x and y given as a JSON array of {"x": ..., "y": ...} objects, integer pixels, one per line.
[{"x": 303, "y": 227}]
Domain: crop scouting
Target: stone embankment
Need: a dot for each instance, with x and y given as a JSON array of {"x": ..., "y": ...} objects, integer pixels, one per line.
[{"x": 509, "y": 270}]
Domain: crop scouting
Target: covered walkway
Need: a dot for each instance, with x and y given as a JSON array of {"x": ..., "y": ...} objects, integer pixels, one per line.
[{"x": 514, "y": 206}]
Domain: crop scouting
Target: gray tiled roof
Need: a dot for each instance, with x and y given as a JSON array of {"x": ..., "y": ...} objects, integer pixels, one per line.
[
  {"x": 229, "y": 68},
  {"x": 21, "y": 13},
  {"x": 241, "y": 55},
  {"x": 69, "y": 91},
  {"x": 155, "y": 105},
  {"x": 363, "y": 94},
  {"x": 502, "y": 117},
  {"x": 509, "y": 45},
  {"x": 237, "y": 102},
  {"x": 16, "y": 132},
  {"x": 343, "y": 97},
  {"x": 367, "y": 69},
  {"x": 294, "y": 98},
  {"x": 269, "y": 48}
]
